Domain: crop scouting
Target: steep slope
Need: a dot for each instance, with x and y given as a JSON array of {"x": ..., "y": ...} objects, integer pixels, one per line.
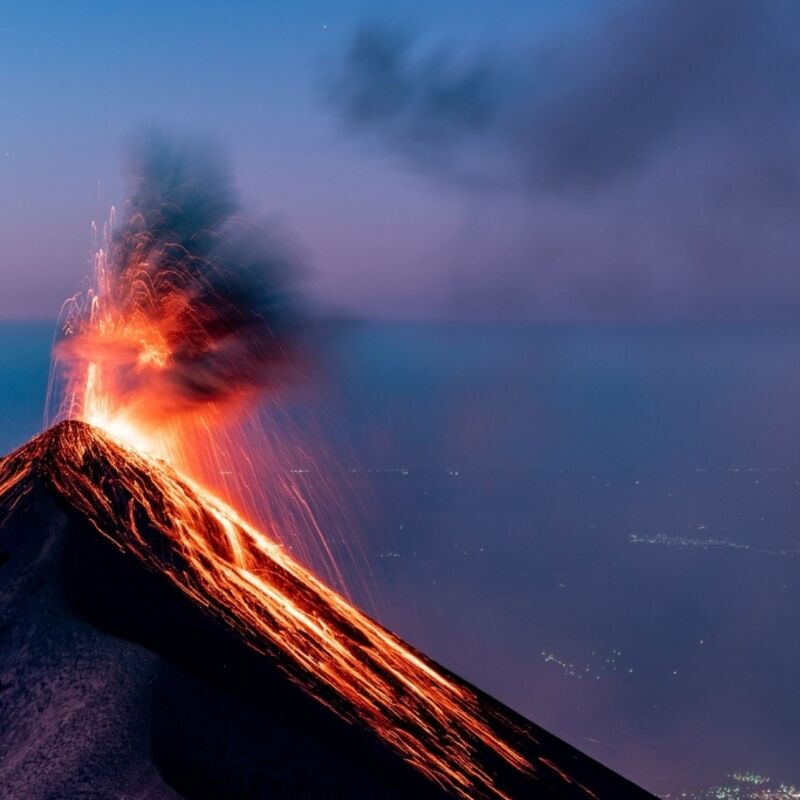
[{"x": 155, "y": 643}]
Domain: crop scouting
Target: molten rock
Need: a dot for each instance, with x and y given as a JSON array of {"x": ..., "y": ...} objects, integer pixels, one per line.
[{"x": 155, "y": 644}]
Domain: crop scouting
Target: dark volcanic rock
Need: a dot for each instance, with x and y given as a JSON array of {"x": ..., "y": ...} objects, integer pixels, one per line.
[{"x": 115, "y": 684}]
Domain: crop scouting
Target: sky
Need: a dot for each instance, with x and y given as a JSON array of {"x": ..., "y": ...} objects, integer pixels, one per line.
[{"x": 539, "y": 161}]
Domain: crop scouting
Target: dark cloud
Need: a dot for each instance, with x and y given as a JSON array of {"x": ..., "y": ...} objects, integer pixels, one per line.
[
  {"x": 429, "y": 108},
  {"x": 634, "y": 81},
  {"x": 658, "y": 142},
  {"x": 586, "y": 106},
  {"x": 425, "y": 105},
  {"x": 221, "y": 286}
]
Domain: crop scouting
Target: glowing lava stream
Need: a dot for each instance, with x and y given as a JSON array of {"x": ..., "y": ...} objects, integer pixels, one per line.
[{"x": 335, "y": 652}]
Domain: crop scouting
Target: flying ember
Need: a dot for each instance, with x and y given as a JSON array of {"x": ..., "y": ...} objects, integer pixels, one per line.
[{"x": 188, "y": 313}]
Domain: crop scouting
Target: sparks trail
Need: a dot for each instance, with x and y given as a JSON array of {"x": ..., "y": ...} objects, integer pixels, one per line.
[
  {"x": 350, "y": 663},
  {"x": 189, "y": 306},
  {"x": 188, "y": 325}
]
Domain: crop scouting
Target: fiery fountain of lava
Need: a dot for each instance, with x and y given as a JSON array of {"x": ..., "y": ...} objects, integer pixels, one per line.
[{"x": 189, "y": 321}]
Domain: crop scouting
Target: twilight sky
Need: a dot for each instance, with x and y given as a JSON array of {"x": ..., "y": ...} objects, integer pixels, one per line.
[{"x": 562, "y": 159}]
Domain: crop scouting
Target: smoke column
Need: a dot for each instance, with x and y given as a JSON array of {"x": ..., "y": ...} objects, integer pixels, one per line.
[{"x": 190, "y": 344}]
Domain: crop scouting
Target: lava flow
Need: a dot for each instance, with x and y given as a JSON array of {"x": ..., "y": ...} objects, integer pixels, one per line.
[
  {"x": 353, "y": 665},
  {"x": 152, "y": 375},
  {"x": 188, "y": 324}
]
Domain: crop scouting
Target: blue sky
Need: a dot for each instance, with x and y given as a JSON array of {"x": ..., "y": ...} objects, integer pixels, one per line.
[
  {"x": 381, "y": 233},
  {"x": 77, "y": 79}
]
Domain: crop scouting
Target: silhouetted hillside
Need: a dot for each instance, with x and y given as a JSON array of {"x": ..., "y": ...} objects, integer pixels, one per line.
[{"x": 115, "y": 682}]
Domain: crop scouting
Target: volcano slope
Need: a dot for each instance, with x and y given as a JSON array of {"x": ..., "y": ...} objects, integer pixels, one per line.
[{"x": 155, "y": 645}]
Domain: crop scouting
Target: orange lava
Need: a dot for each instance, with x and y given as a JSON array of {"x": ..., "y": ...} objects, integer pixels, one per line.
[{"x": 352, "y": 664}]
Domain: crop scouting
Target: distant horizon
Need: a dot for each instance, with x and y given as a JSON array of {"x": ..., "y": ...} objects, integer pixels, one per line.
[{"x": 344, "y": 317}]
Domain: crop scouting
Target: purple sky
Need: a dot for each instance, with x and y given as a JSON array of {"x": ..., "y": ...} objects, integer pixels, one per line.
[{"x": 563, "y": 160}]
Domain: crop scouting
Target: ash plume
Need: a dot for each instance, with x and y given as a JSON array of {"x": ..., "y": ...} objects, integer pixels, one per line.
[
  {"x": 197, "y": 302},
  {"x": 628, "y": 161},
  {"x": 583, "y": 107}
]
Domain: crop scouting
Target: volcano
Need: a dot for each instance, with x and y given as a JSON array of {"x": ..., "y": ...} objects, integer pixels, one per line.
[{"x": 154, "y": 644}]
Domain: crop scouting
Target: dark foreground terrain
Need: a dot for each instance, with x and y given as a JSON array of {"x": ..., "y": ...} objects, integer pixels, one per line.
[{"x": 115, "y": 684}]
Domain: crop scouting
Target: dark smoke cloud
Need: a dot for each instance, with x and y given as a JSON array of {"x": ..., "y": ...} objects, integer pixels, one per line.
[
  {"x": 424, "y": 107},
  {"x": 222, "y": 284},
  {"x": 584, "y": 109},
  {"x": 640, "y": 143},
  {"x": 198, "y": 302}
]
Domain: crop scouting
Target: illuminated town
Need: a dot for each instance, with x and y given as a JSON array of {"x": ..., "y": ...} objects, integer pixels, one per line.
[{"x": 742, "y": 786}]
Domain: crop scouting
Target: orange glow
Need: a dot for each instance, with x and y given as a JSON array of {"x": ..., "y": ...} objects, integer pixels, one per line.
[
  {"x": 360, "y": 670},
  {"x": 124, "y": 340}
]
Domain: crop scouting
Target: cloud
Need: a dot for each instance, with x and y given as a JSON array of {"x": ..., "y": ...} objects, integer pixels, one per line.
[
  {"x": 644, "y": 158},
  {"x": 422, "y": 106}
]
